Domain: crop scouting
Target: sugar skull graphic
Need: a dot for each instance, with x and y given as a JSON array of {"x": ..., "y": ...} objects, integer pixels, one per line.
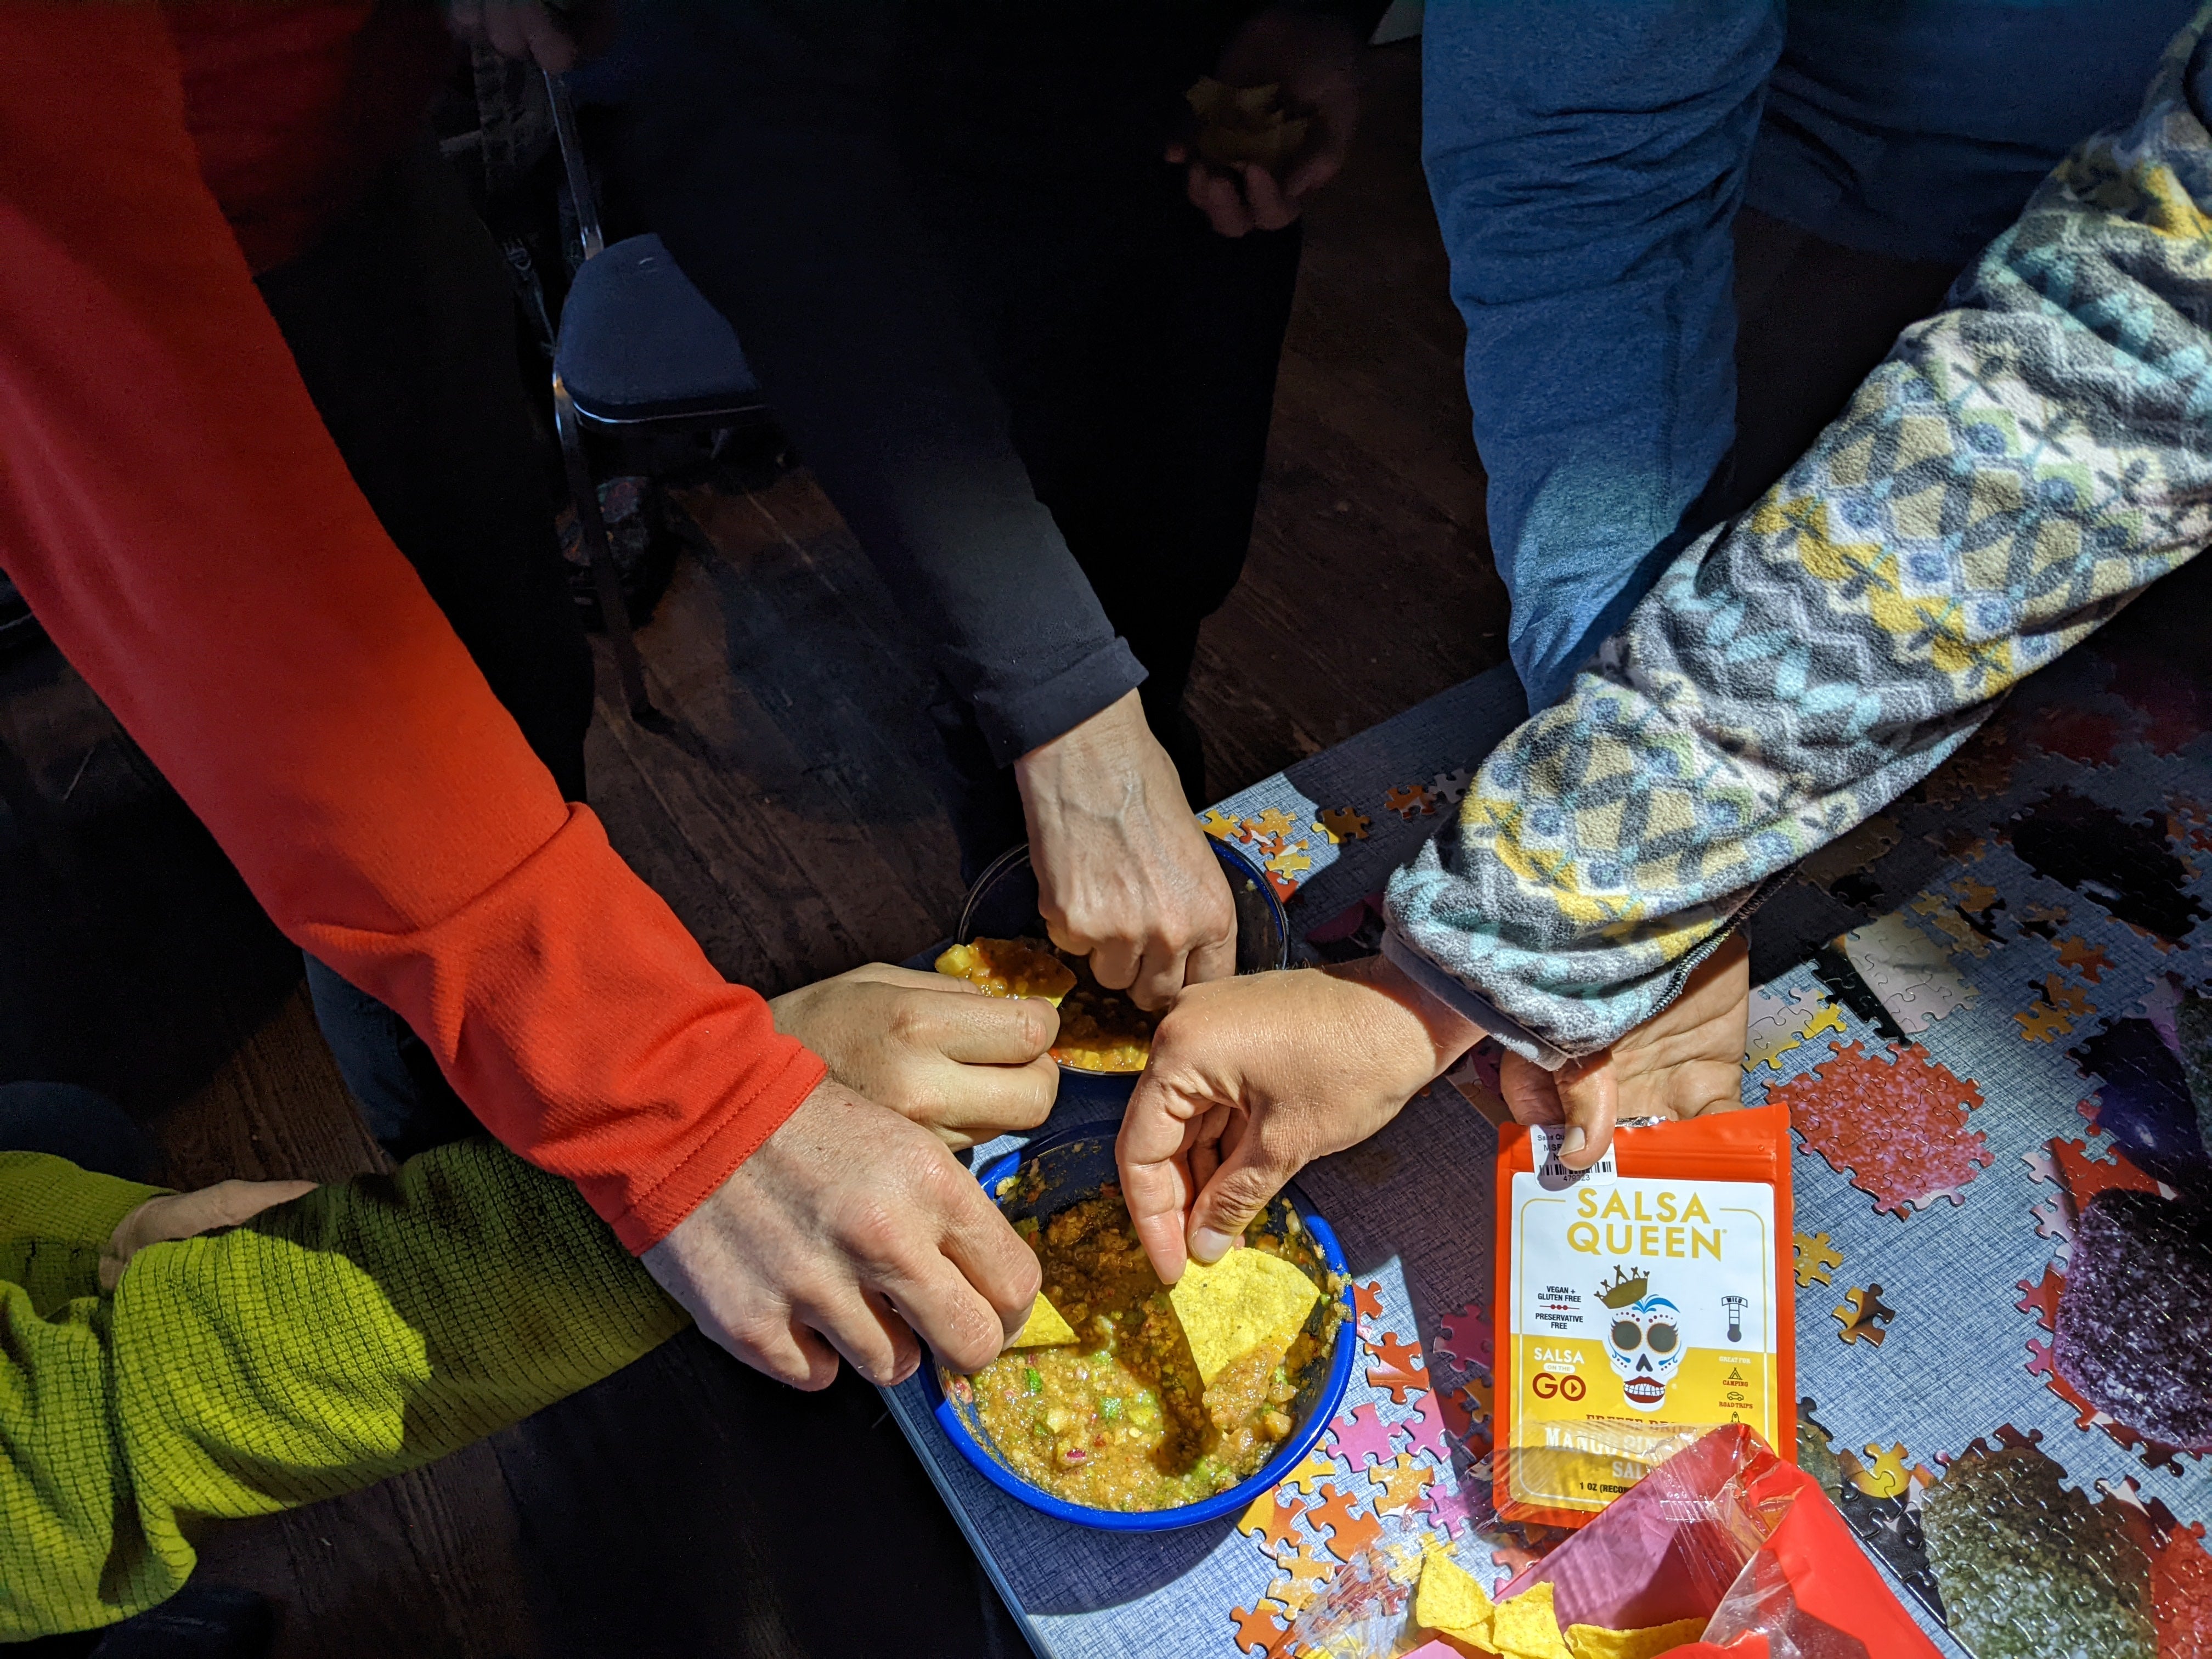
[{"x": 1643, "y": 1338}]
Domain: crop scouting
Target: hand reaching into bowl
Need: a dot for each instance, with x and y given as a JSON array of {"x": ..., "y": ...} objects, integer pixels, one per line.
[
  {"x": 1253, "y": 1078},
  {"x": 849, "y": 1233},
  {"x": 1124, "y": 874},
  {"x": 964, "y": 1065}
]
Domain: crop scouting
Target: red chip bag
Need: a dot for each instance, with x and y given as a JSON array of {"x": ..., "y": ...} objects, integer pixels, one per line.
[
  {"x": 1640, "y": 1304},
  {"x": 1727, "y": 1532}
]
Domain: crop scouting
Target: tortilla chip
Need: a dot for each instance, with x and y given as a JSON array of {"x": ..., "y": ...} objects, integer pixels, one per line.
[
  {"x": 1246, "y": 1298},
  {"x": 1237, "y": 124},
  {"x": 1009, "y": 968},
  {"x": 1044, "y": 1328},
  {"x": 1590, "y": 1641},
  {"x": 1528, "y": 1627},
  {"x": 1452, "y": 1601}
]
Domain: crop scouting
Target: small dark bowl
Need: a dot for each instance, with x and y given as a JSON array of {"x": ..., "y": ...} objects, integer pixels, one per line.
[
  {"x": 1003, "y": 904},
  {"x": 1071, "y": 1165}
]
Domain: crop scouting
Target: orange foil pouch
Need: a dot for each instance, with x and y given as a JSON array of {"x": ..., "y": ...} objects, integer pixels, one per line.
[{"x": 1640, "y": 1304}]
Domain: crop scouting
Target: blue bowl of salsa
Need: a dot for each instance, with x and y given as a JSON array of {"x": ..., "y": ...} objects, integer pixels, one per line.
[{"x": 1059, "y": 1169}]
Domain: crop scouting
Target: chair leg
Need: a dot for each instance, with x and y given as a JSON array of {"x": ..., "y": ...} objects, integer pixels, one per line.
[{"x": 614, "y": 611}]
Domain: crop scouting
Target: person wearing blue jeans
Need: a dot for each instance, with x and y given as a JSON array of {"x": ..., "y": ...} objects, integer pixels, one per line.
[{"x": 1616, "y": 179}]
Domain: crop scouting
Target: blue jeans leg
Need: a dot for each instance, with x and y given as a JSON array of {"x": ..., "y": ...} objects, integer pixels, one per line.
[{"x": 404, "y": 1098}]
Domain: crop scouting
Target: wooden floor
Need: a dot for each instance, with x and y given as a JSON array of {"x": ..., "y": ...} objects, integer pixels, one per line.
[{"x": 789, "y": 811}]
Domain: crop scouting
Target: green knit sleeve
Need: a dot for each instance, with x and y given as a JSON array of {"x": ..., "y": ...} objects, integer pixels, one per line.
[
  {"x": 362, "y": 1330},
  {"x": 54, "y": 1219}
]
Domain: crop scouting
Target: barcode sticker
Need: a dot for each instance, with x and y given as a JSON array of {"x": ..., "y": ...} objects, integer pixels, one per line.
[{"x": 1553, "y": 1177}]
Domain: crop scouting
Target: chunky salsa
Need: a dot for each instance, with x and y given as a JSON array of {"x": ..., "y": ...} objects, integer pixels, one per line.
[
  {"x": 1118, "y": 1420},
  {"x": 1100, "y": 1030}
]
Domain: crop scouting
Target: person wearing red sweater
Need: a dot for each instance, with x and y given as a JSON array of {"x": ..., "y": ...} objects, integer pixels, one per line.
[{"x": 196, "y": 537}]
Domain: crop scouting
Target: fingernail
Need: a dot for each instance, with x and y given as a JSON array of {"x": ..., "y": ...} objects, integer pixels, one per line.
[
  {"x": 1208, "y": 1246},
  {"x": 1575, "y": 1142}
]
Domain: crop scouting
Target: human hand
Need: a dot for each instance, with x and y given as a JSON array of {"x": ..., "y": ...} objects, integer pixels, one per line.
[
  {"x": 849, "y": 1231},
  {"x": 1253, "y": 1078},
  {"x": 1315, "y": 62},
  {"x": 525, "y": 30},
  {"x": 1124, "y": 874},
  {"x": 173, "y": 1216},
  {"x": 1685, "y": 1062},
  {"x": 964, "y": 1065}
]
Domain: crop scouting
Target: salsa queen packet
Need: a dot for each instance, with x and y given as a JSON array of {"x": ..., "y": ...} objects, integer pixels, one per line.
[{"x": 1640, "y": 1303}]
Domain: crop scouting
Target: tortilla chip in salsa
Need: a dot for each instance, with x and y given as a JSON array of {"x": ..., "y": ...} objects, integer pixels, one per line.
[
  {"x": 1010, "y": 968},
  {"x": 1121, "y": 1418},
  {"x": 1045, "y": 1328},
  {"x": 1100, "y": 1030},
  {"x": 1247, "y": 1301}
]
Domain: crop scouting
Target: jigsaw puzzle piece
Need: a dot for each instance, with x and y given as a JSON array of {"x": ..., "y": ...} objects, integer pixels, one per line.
[
  {"x": 2084, "y": 1178},
  {"x": 1309, "y": 1475},
  {"x": 1910, "y": 975},
  {"x": 1896, "y": 1126},
  {"x": 1886, "y": 1476},
  {"x": 1361, "y": 1436},
  {"x": 2092, "y": 962},
  {"x": 1349, "y": 1531},
  {"x": 1467, "y": 1338},
  {"x": 1258, "y": 1629},
  {"x": 1343, "y": 823},
  {"x": 1864, "y": 1315},
  {"x": 1449, "y": 788},
  {"x": 1275, "y": 822},
  {"x": 1410, "y": 800},
  {"x": 1426, "y": 1429},
  {"x": 1272, "y": 1518},
  {"x": 2042, "y": 1297},
  {"x": 1400, "y": 1369},
  {"x": 1405, "y": 1484},
  {"x": 1817, "y": 1258}
]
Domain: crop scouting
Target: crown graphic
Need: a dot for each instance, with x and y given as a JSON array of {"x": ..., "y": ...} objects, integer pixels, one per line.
[{"x": 1624, "y": 1289}]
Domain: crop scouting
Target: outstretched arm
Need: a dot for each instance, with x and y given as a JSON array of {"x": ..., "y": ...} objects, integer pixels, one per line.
[
  {"x": 2020, "y": 466},
  {"x": 364, "y": 1329},
  {"x": 769, "y": 124},
  {"x": 185, "y": 527}
]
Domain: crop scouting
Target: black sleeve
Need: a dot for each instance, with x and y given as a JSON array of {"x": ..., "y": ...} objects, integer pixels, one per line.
[{"x": 758, "y": 146}]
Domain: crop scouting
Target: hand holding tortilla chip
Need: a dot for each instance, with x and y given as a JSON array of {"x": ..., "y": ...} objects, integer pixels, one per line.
[
  {"x": 1247, "y": 1300},
  {"x": 1238, "y": 126}
]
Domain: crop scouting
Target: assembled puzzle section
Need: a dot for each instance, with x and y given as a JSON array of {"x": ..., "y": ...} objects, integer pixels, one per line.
[{"x": 1989, "y": 1062}]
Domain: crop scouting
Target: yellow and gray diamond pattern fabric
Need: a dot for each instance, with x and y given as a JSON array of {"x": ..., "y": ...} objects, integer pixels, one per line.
[{"x": 2020, "y": 467}]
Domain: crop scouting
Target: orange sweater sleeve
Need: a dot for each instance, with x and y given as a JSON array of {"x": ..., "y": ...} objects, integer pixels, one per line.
[{"x": 180, "y": 521}]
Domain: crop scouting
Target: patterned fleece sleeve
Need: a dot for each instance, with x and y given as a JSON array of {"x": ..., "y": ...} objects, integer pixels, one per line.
[{"x": 2020, "y": 467}]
